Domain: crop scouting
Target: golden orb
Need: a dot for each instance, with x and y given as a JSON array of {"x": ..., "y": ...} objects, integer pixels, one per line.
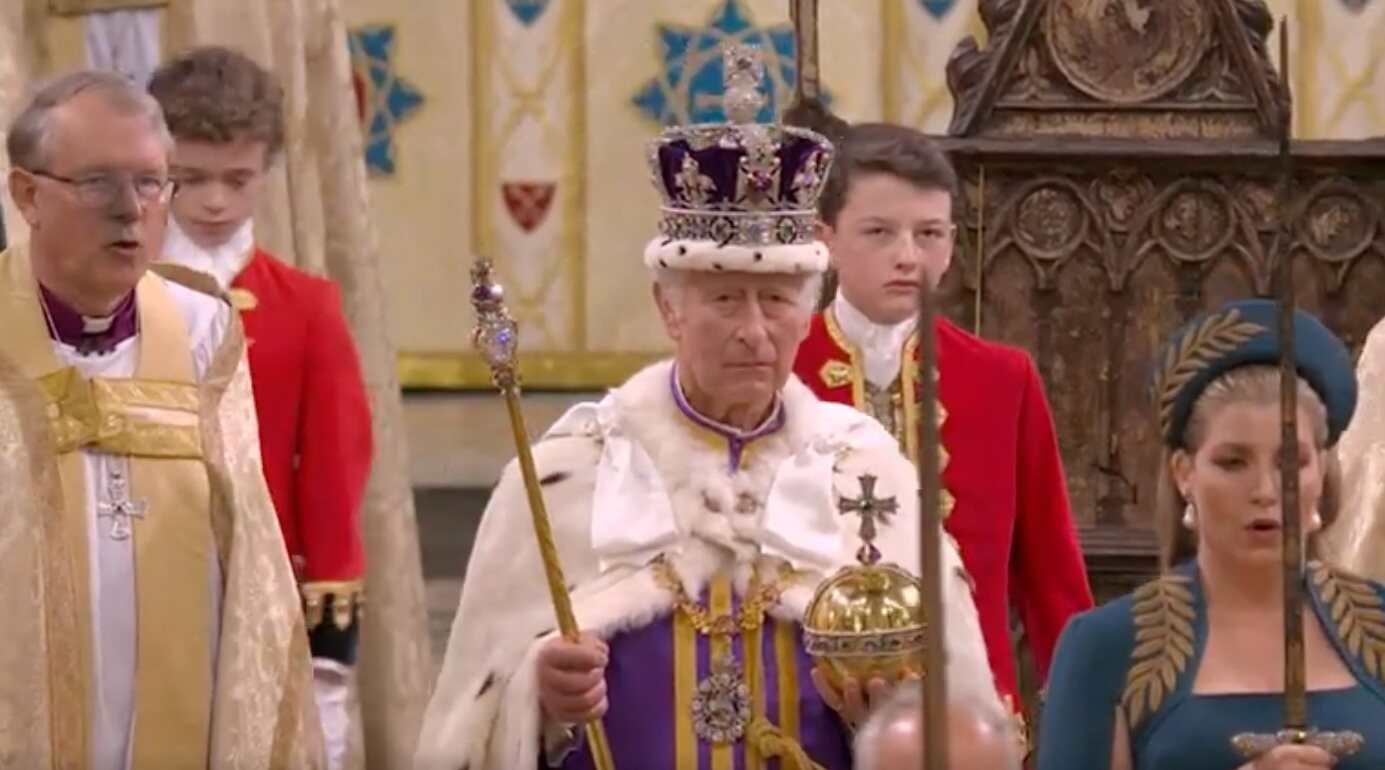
[{"x": 867, "y": 621}]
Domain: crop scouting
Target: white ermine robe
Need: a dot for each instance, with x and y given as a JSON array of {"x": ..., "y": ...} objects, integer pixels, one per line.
[{"x": 632, "y": 478}]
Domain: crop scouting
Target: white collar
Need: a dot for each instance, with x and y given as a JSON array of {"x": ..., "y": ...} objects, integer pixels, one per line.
[
  {"x": 222, "y": 262},
  {"x": 881, "y": 345}
]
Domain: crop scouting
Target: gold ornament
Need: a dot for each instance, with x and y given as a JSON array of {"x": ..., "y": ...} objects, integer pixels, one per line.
[
  {"x": 866, "y": 621},
  {"x": 722, "y": 710}
]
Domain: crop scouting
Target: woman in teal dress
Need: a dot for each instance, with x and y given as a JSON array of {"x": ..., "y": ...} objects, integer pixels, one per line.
[{"x": 1165, "y": 678}]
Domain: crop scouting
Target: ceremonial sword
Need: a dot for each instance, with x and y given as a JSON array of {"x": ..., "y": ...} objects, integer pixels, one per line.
[
  {"x": 1295, "y": 729},
  {"x": 807, "y": 108},
  {"x": 496, "y": 339},
  {"x": 935, "y": 710}
]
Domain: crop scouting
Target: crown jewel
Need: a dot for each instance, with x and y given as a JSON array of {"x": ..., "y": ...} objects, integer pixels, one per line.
[
  {"x": 744, "y": 71},
  {"x": 740, "y": 182}
]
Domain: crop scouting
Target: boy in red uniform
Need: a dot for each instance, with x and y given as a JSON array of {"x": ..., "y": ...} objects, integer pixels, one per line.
[
  {"x": 226, "y": 116},
  {"x": 887, "y": 221}
]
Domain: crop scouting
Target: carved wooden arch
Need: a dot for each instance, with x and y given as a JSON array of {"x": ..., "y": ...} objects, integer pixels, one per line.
[
  {"x": 1100, "y": 125},
  {"x": 1153, "y": 157}
]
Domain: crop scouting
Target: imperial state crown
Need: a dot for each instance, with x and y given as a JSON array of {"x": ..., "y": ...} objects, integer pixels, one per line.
[{"x": 739, "y": 195}]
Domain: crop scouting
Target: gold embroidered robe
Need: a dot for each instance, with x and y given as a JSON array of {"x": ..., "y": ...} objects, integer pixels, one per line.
[{"x": 191, "y": 450}]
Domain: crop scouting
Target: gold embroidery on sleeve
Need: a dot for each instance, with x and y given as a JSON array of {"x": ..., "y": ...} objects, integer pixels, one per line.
[{"x": 1164, "y": 616}]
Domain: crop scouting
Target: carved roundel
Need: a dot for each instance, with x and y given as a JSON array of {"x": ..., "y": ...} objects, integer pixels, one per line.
[
  {"x": 1050, "y": 223},
  {"x": 1257, "y": 199},
  {"x": 1337, "y": 226},
  {"x": 1194, "y": 225},
  {"x": 1128, "y": 51},
  {"x": 1119, "y": 196}
]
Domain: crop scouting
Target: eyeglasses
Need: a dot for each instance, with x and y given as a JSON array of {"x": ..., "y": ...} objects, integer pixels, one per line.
[{"x": 104, "y": 189}]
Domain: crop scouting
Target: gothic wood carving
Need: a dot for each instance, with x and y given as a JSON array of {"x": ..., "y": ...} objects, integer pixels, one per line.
[{"x": 1118, "y": 166}]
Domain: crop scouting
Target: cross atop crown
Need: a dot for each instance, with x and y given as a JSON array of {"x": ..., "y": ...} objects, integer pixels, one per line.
[{"x": 743, "y": 72}]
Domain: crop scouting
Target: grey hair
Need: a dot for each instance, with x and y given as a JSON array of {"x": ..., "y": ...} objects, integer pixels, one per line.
[
  {"x": 671, "y": 280},
  {"x": 30, "y": 132},
  {"x": 905, "y": 704}
]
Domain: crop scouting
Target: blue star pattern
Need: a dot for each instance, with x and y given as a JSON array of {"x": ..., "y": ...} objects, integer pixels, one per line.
[
  {"x": 689, "y": 88},
  {"x": 937, "y": 8},
  {"x": 383, "y": 98},
  {"x": 527, "y": 11}
]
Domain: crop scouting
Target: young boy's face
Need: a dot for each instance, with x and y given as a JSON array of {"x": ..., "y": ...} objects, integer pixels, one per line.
[
  {"x": 889, "y": 237},
  {"x": 219, "y": 186}
]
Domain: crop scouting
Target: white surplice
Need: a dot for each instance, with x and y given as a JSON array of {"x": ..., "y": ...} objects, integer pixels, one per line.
[{"x": 114, "y": 615}]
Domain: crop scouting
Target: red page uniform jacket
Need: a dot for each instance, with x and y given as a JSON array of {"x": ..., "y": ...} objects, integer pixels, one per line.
[
  {"x": 1007, "y": 504},
  {"x": 315, "y": 436},
  {"x": 315, "y": 430}
]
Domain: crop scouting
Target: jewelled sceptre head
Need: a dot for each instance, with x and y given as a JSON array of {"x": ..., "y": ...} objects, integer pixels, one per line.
[
  {"x": 496, "y": 339},
  {"x": 496, "y": 332}
]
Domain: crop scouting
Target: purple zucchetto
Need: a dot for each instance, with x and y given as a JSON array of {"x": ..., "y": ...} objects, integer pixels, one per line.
[{"x": 739, "y": 195}]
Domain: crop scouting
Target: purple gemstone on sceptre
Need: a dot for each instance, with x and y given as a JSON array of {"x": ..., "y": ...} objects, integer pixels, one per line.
[{"x": 499, "y": 343}]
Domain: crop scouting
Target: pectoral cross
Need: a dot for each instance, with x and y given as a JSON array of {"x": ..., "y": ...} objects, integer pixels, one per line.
[
  {"x": 119, "y": 507},
  {"x": 872, "y": 510}
]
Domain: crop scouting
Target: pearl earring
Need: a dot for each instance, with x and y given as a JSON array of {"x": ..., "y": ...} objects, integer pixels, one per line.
[
  {"x": 1315, "y": 522},
  {"x": 1190, "y": 515}
]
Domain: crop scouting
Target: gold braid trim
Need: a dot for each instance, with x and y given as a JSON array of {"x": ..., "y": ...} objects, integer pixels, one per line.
[
  {"x": 1358, "y": 613},
  {"x": 750, "y": 617},
  {"x": 767, "y": 739},
  {"x": 1217, "y": 335},
  {"x": 1164, "y": 616},
  {"x": 771, "y": 742},
  {"x": 348, "y": 596}
]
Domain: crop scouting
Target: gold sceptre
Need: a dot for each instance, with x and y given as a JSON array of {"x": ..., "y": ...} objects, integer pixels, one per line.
[
  {"x": 496, "y": 339},
  {"x": 1296, "y": 729}
]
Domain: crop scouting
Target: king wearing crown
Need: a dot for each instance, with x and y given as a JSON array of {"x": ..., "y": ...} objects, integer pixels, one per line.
[{"x": 696, "y": 510}]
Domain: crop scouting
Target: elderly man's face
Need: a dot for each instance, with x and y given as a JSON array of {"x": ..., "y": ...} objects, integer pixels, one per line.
[
  {"x": 737, "y": 333},
  {"x": 92, "y": 227}
]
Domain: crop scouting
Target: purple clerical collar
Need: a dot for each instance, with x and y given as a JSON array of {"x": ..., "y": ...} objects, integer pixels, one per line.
[
  {"x": 90, "y": 335},
  {"x": 736, "y": 439}
]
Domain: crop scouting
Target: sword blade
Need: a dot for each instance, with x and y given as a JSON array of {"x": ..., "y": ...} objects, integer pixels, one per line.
[
  {"x": 935, "y": 710},
  {"x": 1295, "y": 675}
]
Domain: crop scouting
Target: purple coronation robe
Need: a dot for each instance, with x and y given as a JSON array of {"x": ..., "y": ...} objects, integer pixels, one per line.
[
  {"x": 655, "y": 670},
  {"x": 650, "y": 684}
]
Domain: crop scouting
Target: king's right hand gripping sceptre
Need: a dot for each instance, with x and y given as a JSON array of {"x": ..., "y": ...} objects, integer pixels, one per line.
[{"x": 495, "y": 338}]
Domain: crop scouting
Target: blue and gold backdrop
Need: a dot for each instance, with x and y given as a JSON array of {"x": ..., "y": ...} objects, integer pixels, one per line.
[{"x": 515, "y": 129}]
